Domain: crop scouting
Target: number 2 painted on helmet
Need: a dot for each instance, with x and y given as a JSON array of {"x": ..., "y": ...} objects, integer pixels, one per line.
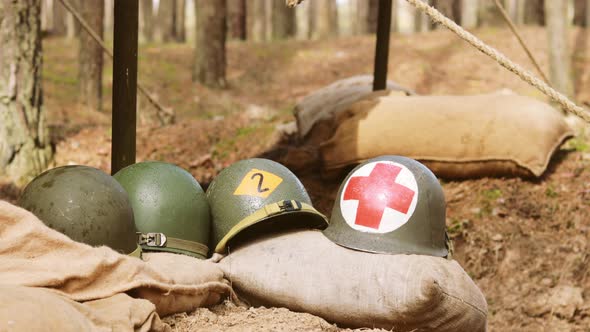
[
  {"x": 258, "y": 183},
  {"x": 260, "y": 189}
]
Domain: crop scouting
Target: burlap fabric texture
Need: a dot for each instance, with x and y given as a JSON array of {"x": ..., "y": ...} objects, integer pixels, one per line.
[
  {"x": 44, "y": 274},
  {"x": 304, "y": 271},
  {"x": 455, "y": 136}
]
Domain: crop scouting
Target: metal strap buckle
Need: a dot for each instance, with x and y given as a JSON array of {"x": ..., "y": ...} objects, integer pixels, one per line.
[
  {"x": 289, "y": 205},
  {"x": 152, "y": 239}
]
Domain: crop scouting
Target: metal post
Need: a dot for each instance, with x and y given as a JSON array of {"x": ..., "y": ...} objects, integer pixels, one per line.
[
  {"x": 124, "y": 84},
  {"x": 382, "y": 45}
]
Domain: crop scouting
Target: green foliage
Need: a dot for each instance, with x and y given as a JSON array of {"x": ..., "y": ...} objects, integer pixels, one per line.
[
  {"x": 578, "y": 144},
  {"x": 457, "y": 227},
  {"x": 492, "y": 194},
  {"x": 550, "y": 192}
]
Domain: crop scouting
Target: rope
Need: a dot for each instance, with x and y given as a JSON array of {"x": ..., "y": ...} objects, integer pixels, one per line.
[
  {"x": 503, "y": 60},
  {"x": 159, "y": 108},
  {"x": 520, "y": 40}
]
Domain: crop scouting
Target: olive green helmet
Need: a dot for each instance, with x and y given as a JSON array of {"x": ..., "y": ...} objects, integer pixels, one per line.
[
  {"x": 255, "y": 196},
  {"x": 391, "y": 205},
  {"x": 85, "y": 204},
  {"x": 171, "y": 212}
]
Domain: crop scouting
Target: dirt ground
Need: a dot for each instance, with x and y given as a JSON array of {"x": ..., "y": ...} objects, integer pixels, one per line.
[{"x": 524, "y": 242}]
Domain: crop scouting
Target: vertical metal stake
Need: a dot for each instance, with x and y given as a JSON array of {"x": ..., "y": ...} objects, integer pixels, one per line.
[
  {"x": 382, "y": 45},
  {"x": 124, "y": 84}
]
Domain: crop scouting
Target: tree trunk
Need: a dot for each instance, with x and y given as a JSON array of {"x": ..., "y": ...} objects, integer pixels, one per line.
[
  {"x": 511, "y": 8},
  {"x": 559, "y": 55},
  {"x": 580, "y": 12},
  {"x": 236, "y": 14},
  {"x": 534, "y": 12},
  {"x": 256, "y": 20},
  {"x": 59, "y": 19},
  {"x": 165, "y": 22},
  {"x": 268, "y": 19},
  {"x": 450, "y": 8},
  {"x": 179, "y": 21},
  {"x": 46, "y": 16},
  {"x": 303, "y": 21},
  {"x": 368, "y": 12},
  {"x": 25, "y": 149},
  {"x": 469, "y": 13},
  {"x": 325, "y": 21},
  {"x": 422, "y": 20},
  {"x": 211, "y": 29},
  {"x": 109, "y": 12},
  {"x": 146, "y": 21},
  {"x": 283, "y": 20},
  {"x": 72, "y": 26},
  {"x": 90, "y": 56},
  {"x": 520, "y": 12}
]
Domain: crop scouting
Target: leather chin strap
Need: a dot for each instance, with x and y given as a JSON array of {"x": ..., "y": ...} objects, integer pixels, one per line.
[
  {"x": 136, "y": 253},
  {"x": 160, "y": 240},
  {"x": 263, "y": 213}
]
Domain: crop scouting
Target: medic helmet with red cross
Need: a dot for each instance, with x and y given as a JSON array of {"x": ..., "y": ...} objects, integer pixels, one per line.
[{"x": 390, "y": 205}]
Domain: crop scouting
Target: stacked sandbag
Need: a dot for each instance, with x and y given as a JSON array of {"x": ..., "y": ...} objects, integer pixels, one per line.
[
  {"x": 455, "y": 136},
  {"x": 34, "y": 255},
  {"x": 314, "y": 111},
  {"x": 304, "y": 271},
  {"x": 32, "y": 309}
]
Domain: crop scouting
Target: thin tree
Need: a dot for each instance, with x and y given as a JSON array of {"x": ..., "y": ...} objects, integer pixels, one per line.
[
  {"x": 72, "y": 26},
  {"x": 179, "y": 21},
  {"x": 534, "y": 12},
  {"x": 283, "y": 20},
  {"x": 109, "y": 14},
  {"x": 580, "y": 12},
  {"x": 256, "y": 20},
  {"x": 469, "y": 13},
  {"x": 559, "y": 55},
  {"x": 366, "y": 16},
  {"x": 164, "y": 32},
  {"x": 59, "y": 19},
  {"x": 325, "y": 21},
  {"x": 46, "y": 16},
  {"x": 90, "y": 57},
  {"x": 302, "y": 17},
  {"x": 25, "y": 149},
  {"x": 422, "y": 20},
  {"x": 450, "y": 8},
  {"x": 211, "y": 28},
  {"x": 236, "y": 13},
  {"x": 146, "y": 21}
]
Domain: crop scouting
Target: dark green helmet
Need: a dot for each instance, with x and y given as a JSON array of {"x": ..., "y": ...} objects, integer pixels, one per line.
[
  {"x": 85, "y": 204},
  {"x": 258, "y": 195},
  {"x": 170, "y": 208},
  {"x": 391, "y": 205}
]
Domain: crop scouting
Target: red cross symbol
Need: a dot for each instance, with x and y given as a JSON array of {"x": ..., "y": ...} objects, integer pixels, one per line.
[{"x": 377, "y": 192}]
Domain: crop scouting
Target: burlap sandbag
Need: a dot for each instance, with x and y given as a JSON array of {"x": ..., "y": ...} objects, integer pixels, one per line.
[
  {"x": 29, "y": 309},
  {"x": 36, "y": 256},
  {"x": 328, "y": 101},
  {"x": 455, "y": 136},
  {"x": 304, "y": 271}
]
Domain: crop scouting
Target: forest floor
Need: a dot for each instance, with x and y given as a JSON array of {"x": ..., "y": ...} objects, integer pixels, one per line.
[{"x": 524, "y": 242}]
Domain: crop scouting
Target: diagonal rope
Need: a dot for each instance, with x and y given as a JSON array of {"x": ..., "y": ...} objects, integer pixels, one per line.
[
  {"x": 520, "y": 40},
  {"x": 502, "y": 59}
]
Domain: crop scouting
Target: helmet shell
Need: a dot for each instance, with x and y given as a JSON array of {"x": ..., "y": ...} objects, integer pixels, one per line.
[
  {"x": 85, "y": 204},
  {"x": 391, "y": 205},
  {"x": 167, "y": 200},
  {"x": 256, "y": 196}
]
